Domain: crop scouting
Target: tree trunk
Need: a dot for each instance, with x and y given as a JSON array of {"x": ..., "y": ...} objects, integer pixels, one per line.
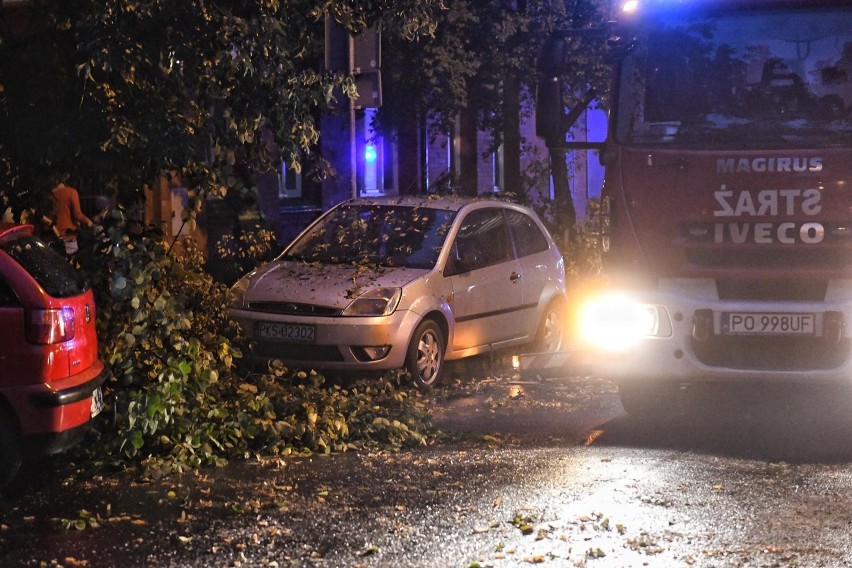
[
  {"x": 408, "y": 157},
  {"x": 468, "y": 162},
  {"x": 563, "y": 201},
  {"x": 512, "y": 138}
]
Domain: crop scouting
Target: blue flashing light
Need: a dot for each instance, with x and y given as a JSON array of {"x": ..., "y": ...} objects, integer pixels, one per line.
[
  {"x": 370, "y": 154},
  {"x": 630, "y": 6}
]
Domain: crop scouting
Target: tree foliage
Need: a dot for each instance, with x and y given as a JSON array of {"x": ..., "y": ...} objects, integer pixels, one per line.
[
  {"x": 482, "y": 48},
  {"x": 124, "y": 91},
  {"x": 121, "y": 92},
  {"x": 478, "y": 47},
  {"x": 179, "y": 395}
]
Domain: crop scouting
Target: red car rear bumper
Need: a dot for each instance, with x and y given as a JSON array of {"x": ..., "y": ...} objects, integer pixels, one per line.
[{"x": 58, "y": 406}]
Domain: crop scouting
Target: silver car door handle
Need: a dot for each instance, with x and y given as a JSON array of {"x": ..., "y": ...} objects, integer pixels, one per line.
[{"x": 514, "y": 277}]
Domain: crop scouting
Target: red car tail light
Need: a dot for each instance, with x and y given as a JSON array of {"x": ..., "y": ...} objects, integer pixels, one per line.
[{"x": 45, "y": 327}]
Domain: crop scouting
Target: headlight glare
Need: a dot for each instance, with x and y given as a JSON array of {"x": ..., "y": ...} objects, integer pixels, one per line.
[{"x": 615, "y": 323}]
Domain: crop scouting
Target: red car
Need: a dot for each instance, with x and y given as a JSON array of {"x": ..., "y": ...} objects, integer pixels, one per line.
[{"x": 50, "y": 373}]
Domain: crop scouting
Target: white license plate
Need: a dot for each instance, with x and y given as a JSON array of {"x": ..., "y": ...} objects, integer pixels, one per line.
[
  {"x": 759, "y": 323},
  {"x": 285, "y": 332},
  {"x": 97, "y": 402}
]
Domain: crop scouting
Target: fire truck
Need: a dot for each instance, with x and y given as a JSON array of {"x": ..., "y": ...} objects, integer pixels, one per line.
[{"x": 727, "y": 202}]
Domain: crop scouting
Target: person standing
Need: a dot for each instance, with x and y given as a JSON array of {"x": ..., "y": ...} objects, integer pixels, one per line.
[{"x": 67, "y": 215}]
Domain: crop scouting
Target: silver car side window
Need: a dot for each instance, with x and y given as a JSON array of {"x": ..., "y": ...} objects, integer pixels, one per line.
[
  {"x": 526, "y": 234},
  {"x": 482, "y": 240}
]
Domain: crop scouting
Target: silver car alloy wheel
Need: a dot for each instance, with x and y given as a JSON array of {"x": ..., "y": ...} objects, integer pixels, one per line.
[
  {"x": 551, "y": 332},
  {"x": 424, "y": 359},
  {"x": 428, "y": 356}
]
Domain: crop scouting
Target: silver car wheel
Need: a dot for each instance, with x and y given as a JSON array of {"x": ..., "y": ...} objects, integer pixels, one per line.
[
  {"x": 426, "y": 354},
  {"x": 551, "y": 332}
]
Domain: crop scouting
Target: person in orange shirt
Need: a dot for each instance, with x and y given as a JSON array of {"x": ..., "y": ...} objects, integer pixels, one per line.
[{"x": 67, "y": 215}]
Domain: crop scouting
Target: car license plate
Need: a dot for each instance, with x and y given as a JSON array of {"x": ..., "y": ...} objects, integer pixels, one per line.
[
  {"x": 758, "y": 323},
  {"x": 97, "y": 402},
  {"x": 286, "y": 332}
]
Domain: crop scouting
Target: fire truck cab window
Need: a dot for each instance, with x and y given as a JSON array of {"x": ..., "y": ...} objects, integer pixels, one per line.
[{"x": 740, "y": 80}]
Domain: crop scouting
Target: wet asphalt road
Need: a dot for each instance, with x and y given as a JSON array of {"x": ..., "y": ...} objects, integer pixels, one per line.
[{"x": 547, "y": 472}]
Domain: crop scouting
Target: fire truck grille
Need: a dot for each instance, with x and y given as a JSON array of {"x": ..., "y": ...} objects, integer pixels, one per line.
[
  {"x": 766, "y": 353},
  {"x": 813, "y": 258},
  {"x": 812, "y": 290}
]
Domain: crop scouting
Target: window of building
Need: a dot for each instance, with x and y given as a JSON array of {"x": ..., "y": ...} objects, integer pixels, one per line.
[
  {"x": 289, "y": 183},
  {"x": 372, "y": 158}
]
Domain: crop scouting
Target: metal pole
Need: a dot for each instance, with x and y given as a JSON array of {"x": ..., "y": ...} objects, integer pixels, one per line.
[{"x": 353, "y": 131}]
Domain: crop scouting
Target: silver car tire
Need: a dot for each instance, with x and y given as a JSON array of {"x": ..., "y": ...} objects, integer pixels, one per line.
[
  {"x": 425, "y": 358},
  {"x": 551, "y": 329}
]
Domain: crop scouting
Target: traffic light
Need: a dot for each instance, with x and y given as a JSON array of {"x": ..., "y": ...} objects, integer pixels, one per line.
[
  {"x": 359, "y": 55},
  {"x": 336, "y": 47},
  {"x": 367, "y": 51}
]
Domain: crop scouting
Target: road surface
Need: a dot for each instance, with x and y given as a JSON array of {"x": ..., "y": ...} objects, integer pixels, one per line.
[{"x": 538, "y": 472}]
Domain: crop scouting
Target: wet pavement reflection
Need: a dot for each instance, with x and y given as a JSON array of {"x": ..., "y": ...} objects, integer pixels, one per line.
[{"x": 528, "y": 472}]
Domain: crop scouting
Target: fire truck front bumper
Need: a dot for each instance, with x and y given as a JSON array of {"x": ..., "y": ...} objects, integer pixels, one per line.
[{"x": 684, "y": 332}]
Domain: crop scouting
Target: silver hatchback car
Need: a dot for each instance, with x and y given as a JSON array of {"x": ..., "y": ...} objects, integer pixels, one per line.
[{"x": 406, "y": 283}]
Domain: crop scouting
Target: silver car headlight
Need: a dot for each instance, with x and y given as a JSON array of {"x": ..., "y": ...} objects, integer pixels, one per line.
[
  {"x": 374, "y": 302},
  {"x": 237, "y": 293}
]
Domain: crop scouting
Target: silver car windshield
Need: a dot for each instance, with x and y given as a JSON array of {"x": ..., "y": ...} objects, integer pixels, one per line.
[
  {"x": 384, "y": 235},
  {"x": 779, "y": 79}
]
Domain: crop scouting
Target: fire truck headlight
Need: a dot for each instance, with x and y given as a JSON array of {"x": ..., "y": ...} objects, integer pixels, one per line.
[{"x": 615, "y": 323}]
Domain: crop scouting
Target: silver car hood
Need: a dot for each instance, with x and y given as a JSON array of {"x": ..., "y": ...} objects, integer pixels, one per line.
[{"x": 321, "y": 284}]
